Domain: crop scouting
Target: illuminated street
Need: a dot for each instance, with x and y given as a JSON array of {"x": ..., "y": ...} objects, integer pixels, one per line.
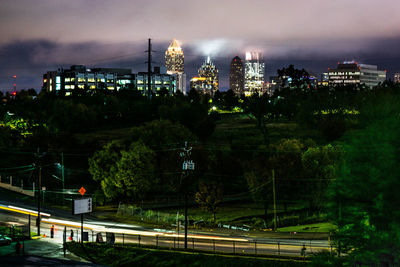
[{"x": 131, "y": 234}]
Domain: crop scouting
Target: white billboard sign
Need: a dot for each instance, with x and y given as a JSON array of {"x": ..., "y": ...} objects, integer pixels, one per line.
[{"x": 83, "y": 205}]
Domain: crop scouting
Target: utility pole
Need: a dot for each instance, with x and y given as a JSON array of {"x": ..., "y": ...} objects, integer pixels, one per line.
[
  {"x": 149, "y": 91},
  {"x": 62, "y": 175},
  {"x": 273, "y": 191},
  {"x": 39, "y": 167},
  {"x": 186, "y": 166}
]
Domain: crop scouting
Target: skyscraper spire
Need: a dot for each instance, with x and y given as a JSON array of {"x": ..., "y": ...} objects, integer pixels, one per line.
[{"x": 174, "y": 62}]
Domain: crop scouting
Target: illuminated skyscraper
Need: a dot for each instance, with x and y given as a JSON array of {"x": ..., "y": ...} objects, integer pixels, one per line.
[
  {"x": 254, "y": 73},
  {"x": 236, "y": 76},
  {"x": 207, "y": 82},
  {"x": 174, "y": 61}
]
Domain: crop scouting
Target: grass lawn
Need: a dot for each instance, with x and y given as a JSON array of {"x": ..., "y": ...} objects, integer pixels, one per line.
[
  {"x": 316, "y": 227},
  {"x": 240, "y": 129},
  {"x": 134, "y": 256}
]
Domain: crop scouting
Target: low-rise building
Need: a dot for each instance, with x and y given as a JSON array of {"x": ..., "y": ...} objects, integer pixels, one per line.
[
  {"x": 65, "y": 81},
  {"x": 353, "y": 73}
]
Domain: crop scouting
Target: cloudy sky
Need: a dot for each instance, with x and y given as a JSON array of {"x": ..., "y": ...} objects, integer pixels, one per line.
[{"x": 41, "y": 35}]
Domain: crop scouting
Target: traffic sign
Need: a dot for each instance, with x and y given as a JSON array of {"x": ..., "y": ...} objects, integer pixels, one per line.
[
  {"x": 81, "y": 206},
  {"x": 82, "y": 190}
]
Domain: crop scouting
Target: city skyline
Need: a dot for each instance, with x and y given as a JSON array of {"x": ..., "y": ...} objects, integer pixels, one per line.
[{"x": 57, "y": 34}]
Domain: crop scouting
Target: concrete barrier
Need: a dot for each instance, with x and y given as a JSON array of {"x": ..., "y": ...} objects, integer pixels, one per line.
[{"x": 17, "y": 189}]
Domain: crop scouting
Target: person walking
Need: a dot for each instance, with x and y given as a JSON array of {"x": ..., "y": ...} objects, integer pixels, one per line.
[
  {"x": 52, "y": 231},
  {"x": 71, "y": 237}
]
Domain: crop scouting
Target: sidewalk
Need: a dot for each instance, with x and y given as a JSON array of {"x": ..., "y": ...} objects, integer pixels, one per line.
[{"x": 40, "y": 252}]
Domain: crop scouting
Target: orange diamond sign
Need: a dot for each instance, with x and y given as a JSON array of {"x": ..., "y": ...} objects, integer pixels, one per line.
[{"x": 82, "y": 191}]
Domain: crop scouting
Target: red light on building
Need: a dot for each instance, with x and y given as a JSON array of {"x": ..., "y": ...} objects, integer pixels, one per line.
[
  {"x": 14, "y": 93},
  {"x": 15, "y": 76}
]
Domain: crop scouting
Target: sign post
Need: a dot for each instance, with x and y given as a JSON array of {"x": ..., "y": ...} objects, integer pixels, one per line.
[{"x": 82, "y": 206}]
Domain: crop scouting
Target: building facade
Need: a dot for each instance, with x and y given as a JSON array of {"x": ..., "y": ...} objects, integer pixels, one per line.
[
  {"x": 175, "y": 64},
  {"x": 236, "y": 76},
  {"x": 254, "y": 73},
  {"x": 352, "y": 73},
  {"x": 207, "y": 81},
  {"x": 65, "y": 81},
  {"x": 80, "y": 77}
]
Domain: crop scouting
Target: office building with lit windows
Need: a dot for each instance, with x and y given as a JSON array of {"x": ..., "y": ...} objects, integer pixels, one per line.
[
  {"x": 80, "y": 77},
  {"x": 254, "y": 73},
  {"x": 65, "y": 81},
  {"x": 174, "y": 62},
  {"x": 353, "y": 73},
  {"x": 158, "y": 81},
  {"x": 236, "y": 76},
  {"x": 207, "y": 80}
]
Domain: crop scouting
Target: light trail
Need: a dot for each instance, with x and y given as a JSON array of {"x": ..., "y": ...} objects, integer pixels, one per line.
[{"x": 23, "y": 211}]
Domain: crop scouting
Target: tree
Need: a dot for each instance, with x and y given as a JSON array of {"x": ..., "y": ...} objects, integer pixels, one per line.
[
  {"x": 135, "y": 172},
  {"x": 320, "y": 166},
  {"x": 124, "y": 174},
  {"x": 364, "y": 199},
  {"x": 230, "y": 100},
  {"x": 259, "y": 107},
  {"x": 291, "y": 77},
  {"x": 102, "y": 167},
  {"x": 210, "y": 196},
  {"x": 259, "y": 180},
  {"x": 286, "y": 161}
]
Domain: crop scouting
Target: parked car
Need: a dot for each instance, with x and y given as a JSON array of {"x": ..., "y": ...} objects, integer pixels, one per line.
[{"x": 5, "y": 240}]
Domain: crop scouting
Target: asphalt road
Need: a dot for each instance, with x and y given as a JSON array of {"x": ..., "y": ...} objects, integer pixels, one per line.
[{"x": 125, "y": 233}]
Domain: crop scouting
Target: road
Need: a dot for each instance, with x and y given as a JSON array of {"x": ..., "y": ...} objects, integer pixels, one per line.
[{"x": 126, "y": 233}]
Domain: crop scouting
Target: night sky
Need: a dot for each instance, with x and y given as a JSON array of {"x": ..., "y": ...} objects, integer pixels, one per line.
[{"x": 41, "y": 35}]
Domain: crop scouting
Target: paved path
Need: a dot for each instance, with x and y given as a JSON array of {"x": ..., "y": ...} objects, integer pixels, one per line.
[{"x": 40, "y": 252}]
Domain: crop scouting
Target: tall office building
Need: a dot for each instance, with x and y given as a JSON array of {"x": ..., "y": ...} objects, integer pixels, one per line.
[
  {"x": 352, "y": 73},
  {"x": 236, "y": 76},
  {"x": 207, "y": 81},
  {"x": 254, "y": 73},
  {"x": 174, "y": 62}
]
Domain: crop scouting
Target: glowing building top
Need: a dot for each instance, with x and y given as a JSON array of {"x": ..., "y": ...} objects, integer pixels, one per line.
[
  {"x": 207, "y": 82},
  {"x": 254, "y": 73},
  {"x": 174, "y": 59}
]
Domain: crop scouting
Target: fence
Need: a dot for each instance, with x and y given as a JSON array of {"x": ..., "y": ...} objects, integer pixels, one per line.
[{"x": 213, "y": 244}]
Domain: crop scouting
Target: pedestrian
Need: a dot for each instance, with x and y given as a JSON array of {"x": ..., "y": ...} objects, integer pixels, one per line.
[
  {"x": 18, "y": 247},
  {"x": 303, "y": 251},
  {"x": 52, "y": 231},
  {"x": 72, "y": 235}
]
